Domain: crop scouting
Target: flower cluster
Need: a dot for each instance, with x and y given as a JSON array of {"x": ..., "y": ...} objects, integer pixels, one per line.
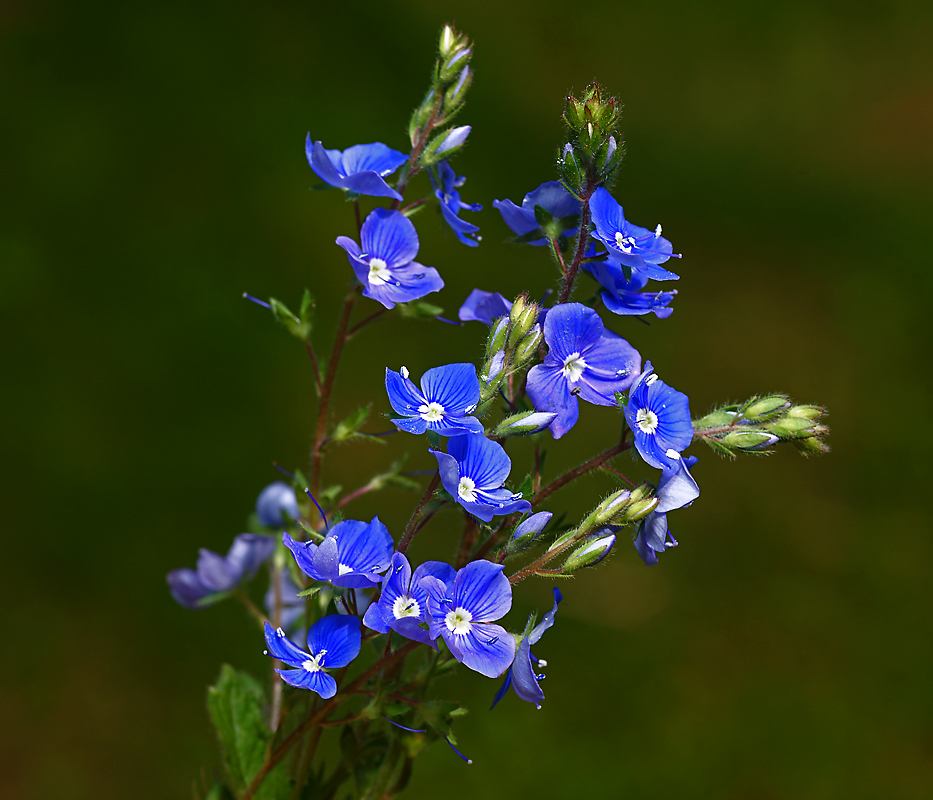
[{"x": 337, "y": 582}]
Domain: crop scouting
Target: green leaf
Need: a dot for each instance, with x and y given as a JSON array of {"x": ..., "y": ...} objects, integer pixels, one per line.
[
  {"x": 306, "y": 313},
  {"x": 525, "y": 488},
  {"x": 348, "y": 428},
  {"x": 310, "y": 591},
  {"x": 293, "y": 324},
  {"x": 329, "y": 494},
  {"x": 531, "y": 236},
  {"x": 236, "y": 705},
  {"x": 418, "y": 309},
  {"x": 317, "y": 537},
  {"x": 439, "y": 713}
]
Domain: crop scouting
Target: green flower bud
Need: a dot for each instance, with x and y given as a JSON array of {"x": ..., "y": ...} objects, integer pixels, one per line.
[
  {"x": 748, "y": 441},
  {"x": 788, "y": 427},
  {"x": 498, "y": 335},
  {"x": 766, "y": 407},
  {"x": 806, "y": 412},
  {"x": 592, "y": 551},
  {"x": 523, "y": 424},
  {"x": 522, "y": 318},
  {"x": 528, "y": 347}
]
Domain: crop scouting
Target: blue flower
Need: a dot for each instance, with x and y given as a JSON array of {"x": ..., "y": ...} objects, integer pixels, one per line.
[
  {"x": 402, "y": 606},
  {"x": 583, "y": 359},
  {"x": 637, "y": 248},
  {"x": 473, "y": 470},
  {"x": 361, "y": 168},
  {"x": 659, "y": 416},
  {"x": 276, "y": 499},
  {"x": 333, "y": 642},
  {"x": 521, "y": 675},
  {"x": 216, "y": 573},
  {"x": 484, "y": 307},
  {"x": 448, "y": 395},
  {"x": 553, "y": 198},
  {"x": 452, "y": 205},
  {"x": 625, "y": 297},
  {"x": 353, "y": 554},
  {"x": 463, "y": 612},
  {"x": 386, "y": 266},
  {"x": 676, "y": 489}
]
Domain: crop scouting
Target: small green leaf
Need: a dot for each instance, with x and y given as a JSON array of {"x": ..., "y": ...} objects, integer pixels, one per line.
[
  {"x": 348, "y": 428},
  {"x": 310, "y": 591},
  {"x": 293, "y": 324},
  {"x": 418, "y": 309},
  {"x": 434, "y": 439}
]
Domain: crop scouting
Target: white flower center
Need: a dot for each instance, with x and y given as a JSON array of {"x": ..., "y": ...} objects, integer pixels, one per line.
[
  {"x": 647, "y": 420},
  {"x": 431, "y": 412},
  {"x": 343, "y": 569},
  {"x": 458, "y": 621},
  {"x": 405, "y": 606},
  {"x": 573, "y": 368},
  {"x": 378, "y": 272},
  {"x": 313, "y": 664},
  {"x": 624, "y": 243},
  {"x": 467, "y": 489}
]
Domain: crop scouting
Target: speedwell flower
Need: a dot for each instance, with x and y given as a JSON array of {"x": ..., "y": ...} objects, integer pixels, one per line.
[
  {"x": 274, "y": 501},
  {"x": 386, "y": 266},
  {"x": 473, "y": 470},
  {"x": 452, "y": 205},
  {"x": 447, "y": 397},
  {"x": 361, "y": 168},
  {"x": 484, "y": 307},
  {"x": 553, "y": 198},
  {"x": 521, "y": 676},
  {"x": 402, "y": 605},
  {"x": 583, "y": 359},
  {"x": 216, "y": 573},
  {"x": 354, "y": 554},
  {"x": 637, "y": 248},
  {"x": 659, "y": 416},
  {"x": 333, "y": 642},
  {"x": 676, "y": 489},
  {"x": 626, "y": 297},
  {"x": 463, "y": 614}
]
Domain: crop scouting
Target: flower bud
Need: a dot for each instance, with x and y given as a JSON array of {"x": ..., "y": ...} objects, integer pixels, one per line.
[
  {"x": 749, "y": 441},
  {"x": 788, "y": 427},
  {"x": 455, "y": 95},
  {"x": 806, "y": 412},
  {"x": 611, "y": 507},
  {"x": 522, "y": 317},
  {"x": 572, "y": 169},
  {"x": 525, "y": 423},
  {"x": 498, "y": 334},
  {"x": 528, "y": 347},
  {"x": 719, "y": 418},
  {"x": 528, "y": 530},
  {"x": 444, "y": 145},
  {"x": 766, "y": 407},
  {"x": 594, "y": 549}
]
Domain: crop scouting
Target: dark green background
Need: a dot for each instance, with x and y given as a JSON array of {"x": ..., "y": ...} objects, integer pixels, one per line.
[{"x": 154, "y": 169}]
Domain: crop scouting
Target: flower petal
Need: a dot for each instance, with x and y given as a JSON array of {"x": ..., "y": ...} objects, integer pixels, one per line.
[
  {"x": 482, "y": 588},
  {"x": 547, "y": 388},
  {"x": 339, "y": 635},
  {"x": 284, "y": 649},
  {"x": 453, "y": 386},
  {"x": 404, "y": 396},
  {"x": 487, "y": 649},
  {"x": 375, "y": 157},
  {"x": 186, "y": 588},
  {"x": 248, "y": 551},
  {"x": 391, "y": 236}
]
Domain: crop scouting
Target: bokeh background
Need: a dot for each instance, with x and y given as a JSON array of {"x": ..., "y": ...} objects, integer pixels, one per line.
[{"x": 153, "y": 170}]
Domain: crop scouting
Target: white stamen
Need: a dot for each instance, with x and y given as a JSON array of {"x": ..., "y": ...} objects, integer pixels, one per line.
[
  {"x": 624, "y": 243},
  {"x": 657, "y": 232},
  {"x": 403, "y": 372},
  {"x": 646, "y": 420},
  {"x": 541, "y": 663},
  {"x": 313, "y": 664},
  {"x": 378, "y": 272},
  {"x": 432, "y": 412},
  {"x": 458, "y": 621},
  {"x": 671, "y": 453},
  {"x": 405, "y": 606},
  {"x": 467, "y": 489},
  {"x": 651, "y": 379},
  {"x": 573, "y": 367}
]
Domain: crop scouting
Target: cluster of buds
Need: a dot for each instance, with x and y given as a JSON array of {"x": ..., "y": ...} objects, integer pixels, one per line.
[
  {"x": 452, "y": 79},
  {"x": 593, "y": 151},
  {"x": 512, "y": 343},
  {"x": 759, "y": 423}
]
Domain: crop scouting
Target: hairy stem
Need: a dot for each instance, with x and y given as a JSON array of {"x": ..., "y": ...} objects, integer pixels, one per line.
[
  {"x": 573, "y": 474},
  {"x": 411, "y": 529},
  {"x": 571, "y": 271}
]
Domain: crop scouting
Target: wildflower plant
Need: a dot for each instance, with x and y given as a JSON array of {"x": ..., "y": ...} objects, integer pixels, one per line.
[{"x": 356, "y": 627}]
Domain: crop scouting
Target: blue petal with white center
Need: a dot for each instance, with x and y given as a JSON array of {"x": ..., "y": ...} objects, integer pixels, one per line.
[
  {"x": 473, "y": 470},
  {"x": 522, "y": 675},
  {"x": 353, "y": 554},
  {"x": 659, "y": 417},
  {"x": 402, "y": 605},
  {"x": 361, "y": 168},
  {"x": 275, "y": 502},
  {"x": 444, "y": 404},
  {"x": 584, "y": 360},
  {"x": 333, "y": 642},
  {"x": 552, "y": 197},
  {"x": 637, "y": 248},
  {"x": 463, "y": 612},
  {"x": 445, "y": 190},
  {"x": 676, "y": 489},
  {"x": 385, "y": 265}
]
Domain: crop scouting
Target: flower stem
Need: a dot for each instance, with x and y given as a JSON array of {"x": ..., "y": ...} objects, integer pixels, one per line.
[
  {"x": 571, "y": 271},
  {"x": 410, "y": 530},
  {"x": 573, "y": 474}
]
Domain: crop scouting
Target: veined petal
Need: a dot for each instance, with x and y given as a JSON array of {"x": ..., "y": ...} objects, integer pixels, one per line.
[
  {"x": 548, "y": 389},
  {"x": 406, "y": 284},
  {"x": 571, "y": 328},
  {"x": 487, "y": 649},
  {"x": 377, "y": 617},
  {"x": 517, "y": 218},
  {"x": 546, "y": 621},
  {"x": 304, "y": 556},
  {"x": 363, "y": 548},
  {"x": 284, "y": 649},
  {"x": 612, "y": 365},
  {"x": 322, "y": 164},
  {"x": 552, "y": 196},
  {"x": 415, "y": 425},
  {"x": 276, "y": 500},
  {"x": 448, "y": 469},
  {"x": 482, "y": 588},
  {"x": 339, "y": 635},
  {"x": 453, "y": 386},
  {"x": 502, "y": 501},
  {"x": 215, "y": 572},
  {"x": 186, "y": 588},
  {"x": 371, "y": 184},
  {"x": 375, "y": 157},
  {"x": 404, "y": 396},
  {"x": 484, "y": 307},
  {"x": 247, "y": 552},
  {"x": 391, "y": 236},
  {"x": 480, "y": 459},
  {"x": 319, "y": 682},
  {"x": 676, "y": 489},
  {"x": 607, "y": 216},
  {"x": 641, "y": 546},
  {"x": 455, "y": 426},
  {"x": 524, "y": 680}
]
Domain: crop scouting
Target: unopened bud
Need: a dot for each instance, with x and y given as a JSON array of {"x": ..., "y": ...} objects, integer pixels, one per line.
[
  {"x": 810, "y": 445},
  {"x": 572, "y": 169},
  {"x": 522, "y": 317},
  {"x": 788, "y": 427},
  {"x": 611, "y": 507},
  {"x": 454, "y": 96},
  {"x": 806, "y": 412},
  {"x": 498, "y": 334},
  {"x": 639, "y": 509},
  {"x": 715, "y": 419},
  {"x": 524, "y": 423},
  {"x": 766, "y": 407},
  {"x": 748, "y": 441},
  {"x": 594, "y": 549},
  {"x": 528, "y": 530},
  {"x": 444, "y": 145},
  {"x": 528, "y": 347}
]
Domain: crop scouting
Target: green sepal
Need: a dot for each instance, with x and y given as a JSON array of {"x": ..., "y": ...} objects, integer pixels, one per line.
[
  {"x": 419, "y": 309},
  {"x": 438, "y": 714},
  {"x": 348, "y": 428},
  {"x": 434, "y": 439},
  {"x": 298, "y": 326},
  {"x": 236, "y": 704},
  {"x": 310, "y": 591},
  {"x": 543, "y": 217},
  {"x": 317, "y": 537},
  {"x": 531, "y": 236}
]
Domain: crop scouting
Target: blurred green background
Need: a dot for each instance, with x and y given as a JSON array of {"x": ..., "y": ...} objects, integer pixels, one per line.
[{"x": 154, "y": 170}]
